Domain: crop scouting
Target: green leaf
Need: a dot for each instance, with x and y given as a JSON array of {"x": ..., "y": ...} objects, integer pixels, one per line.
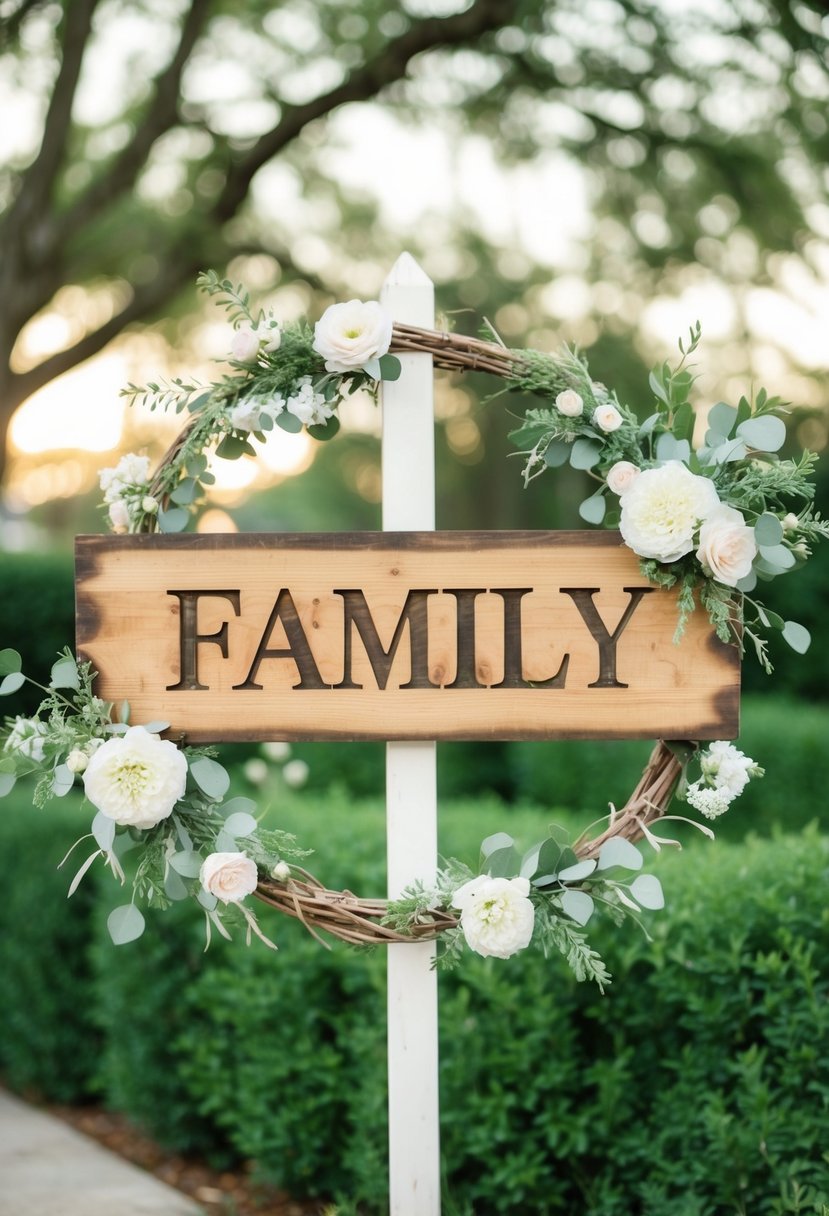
[
  {"x": 683, "y": 427},
  {"x": 619, "y": 852},
  {"x": 125, "y": 924},
  {"x": 778, "y": 556},
  {"x": 390, "y": 367},
  {"x": 234, "y": 446},
  {"x": 557, "y": 454},
  {"x": 722, "y": 418},
  {"x": 247, "y": 805},
  {"x": 325, "y": 430},
  {"x": 748, "y": 583},
  {"x": 797, "y": 636},
  {"x": 766, "y": 434},
  {"x": 670, "y": 448},
  {"x": 500, "y": 840},
  {"x": 768, "y": 530},
  {"x": 103, "y": 829},
  {"x": 647, "y": 426},
  {"x": 770, "y": 619},
  {"x": 187, "y": 863},
  {"x": 197, "y": 403},
  {"x": 7, "y": 782},
  {"x": 578, "y": 905},
  {"x": 657, "y": 387},
  {"x": 592, "y": 509},
  {"x": 240, "y": 824},
  {"x": 174, "y": 520},
  {"x": 503, "y": 863},
  {"x": 64, "y": 674},
  {"x": 585, "y": 453},
  {"x": 582, "y": 869},
  {"x": 155, "y": 728},
  {"x": 185, "y": 492},
  {"x": 210, "y": 777},
  {"x": 11, "y": 683},
  {"x": 288, "y": 422},
  {"x": 371, "y": 367},
  {"x": 646, "y": 889},
  {"x": 62, "y": 781},
  {"x": 174, "y": 888},
  {"x": 10, "y": 662}
]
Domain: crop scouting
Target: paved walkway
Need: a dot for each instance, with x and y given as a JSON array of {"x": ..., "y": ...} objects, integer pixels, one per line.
[{"x": 49, "y": 1169}]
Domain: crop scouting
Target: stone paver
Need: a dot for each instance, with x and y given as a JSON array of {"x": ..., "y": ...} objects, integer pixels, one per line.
[{"x": 49, "y": 1169}]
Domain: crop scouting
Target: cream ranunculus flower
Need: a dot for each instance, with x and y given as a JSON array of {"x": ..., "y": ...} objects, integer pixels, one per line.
[
  {"x": 497, "y": 917},
  {"x": 726, "y": 546},
  {"x": 607, "y": 418},
  {"x": 136, "y": 778},
  {"x": 569, "y": 403},
  {"x": 228, "y": 876},
  {"x": 663, "y": 509},
  {"x": 621, "y": 476},
  {"x": 350, "y": 335}
]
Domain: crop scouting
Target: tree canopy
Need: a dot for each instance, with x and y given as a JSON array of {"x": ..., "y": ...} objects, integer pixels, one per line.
[{"x": 153, "y": 139}]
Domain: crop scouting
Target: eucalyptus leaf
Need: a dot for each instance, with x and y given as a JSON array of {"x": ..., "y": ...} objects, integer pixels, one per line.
[
  {"x": 619, "y": 852},
  {"x": 174, "y": 520},
  {"x": 668, "y": 447},
  {"x": 499, "y": 840},
  {"x": 207, "y": 900},
  {"x": 238, "y": 804},
  {"x": 582, "y": 869},
  {"x": 325, "y": 430},
  {"x": 225, "y": 843},
  {"x": 578, "y": 905},
  {"x": 778, "y": 555},
  {"x": 646, "y": 889},
  {"x": 155, "y": 728},
  {"x": 174, "y": 887},
  {"x": 185, "y": 492},
  {"x": 529, "y": 862},
  {"x": 748, "y": 583},
  {"x": 64, "y": 674},
  {"x": 371, "y": 367},
  {"x": 557, "y": 454},
  {"x": 11, "y": 683},
  {"x": 7, "y": 781},
  {"x": 797, "y": 636},
  {"x": 240, "y": 824},
  {"x": 657, "y": 388},
  {"x": 593, "y": 509},
  {"x": 585, "y": 453},
  {"x": 766, "y": 433},
  {"x": 188, "y": 864},
  {"x": 62, "y": 781},
  {"x": 286, "y": 421},
  {"x": 125, "y": 924},
  {"x": 390, "y": 367},
  {"x": 770, "y": 619},
  {"x": 103, "y": 829},
  {"x": 10, "y": 661},
  {"x": 647, "y": 426},
  {"x": 197, "y": 403},
  {"x": 722, "y": 418},
  {"x": 210, "y": 777},
  {"x": 503, "y": 863},
  {"x": 768, "y": 530}
]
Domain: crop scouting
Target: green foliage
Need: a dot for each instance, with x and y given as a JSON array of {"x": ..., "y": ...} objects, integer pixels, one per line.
[{"x": 37, "y": 614}]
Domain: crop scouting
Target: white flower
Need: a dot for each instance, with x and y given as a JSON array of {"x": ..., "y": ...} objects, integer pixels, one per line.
[
  {"x": 228, "y": 876},
  {"x": 710, "y": 803},
  {"x": 130, "y": 471},
  {"x": 790, "y": 522},
  {"x": 281, "y": 871},
  {"x": 727, "y": 768},
  {"x": 726, "y": 545},
  {"x": 569, "y": 403},
  {"x": 149, "y": 505},
  {"x": 277, "y": 750},
  {"x": 607, "y": 418},
  {"x": 77, "y": 760},
  {"x": 245, "y": 344},
  {"x": 272, "y": 337},
  {"x": 295, "y": 773},
  {"x": 306, "y": 404},
  {"x": 621, "y": 476},
  {"x": 245, "y": 414},
  {"x": 26, "y": 739},
  {"x": 136, "y": 778},
  {"x": 119, "y": 515},
  {"x": 350, "y": 335},
  {"x": 497, "y": 917},
  {"x": 256, "y": 771},
  {"x": 663, "y": 509}
]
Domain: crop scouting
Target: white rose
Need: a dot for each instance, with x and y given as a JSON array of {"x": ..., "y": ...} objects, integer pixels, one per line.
[
  {"x": 621, "y": 476},
  {"x": 119, "y": 516},
  {"x": 295, "y": 773},
  {"x": 349, "y": 335},
  {"x": 245, "y": 344},
  {"x": 726, "y": 546},
  {"x": 607, "y": 418},
  {"x": 77, "y": 760},
  {"x": 497, "y": 917},
  {"x": 569, "y": 403},
  {"x": 26, "y": 739},
  {"x": 663, "y": 509},
  {"x": 149, "y": 504},
  {"x": 228, "y": 876},
  {"x": 136, "y": 778}
]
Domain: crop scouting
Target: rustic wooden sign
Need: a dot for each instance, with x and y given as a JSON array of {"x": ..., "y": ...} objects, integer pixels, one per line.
[{"x": 411, "y": 635}]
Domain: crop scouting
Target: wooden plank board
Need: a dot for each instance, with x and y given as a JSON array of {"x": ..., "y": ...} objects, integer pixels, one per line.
[{"x": 444, "y": 635}]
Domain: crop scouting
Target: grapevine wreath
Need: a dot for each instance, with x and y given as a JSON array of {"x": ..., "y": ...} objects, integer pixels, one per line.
[{"x": 711, "y": 522}]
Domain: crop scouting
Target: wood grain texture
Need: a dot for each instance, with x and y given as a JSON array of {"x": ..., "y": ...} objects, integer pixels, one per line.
[{"x": 498, "y": 635}]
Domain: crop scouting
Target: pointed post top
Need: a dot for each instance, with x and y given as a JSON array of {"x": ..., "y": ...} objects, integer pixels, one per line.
[{"x": 406, "y": 272}]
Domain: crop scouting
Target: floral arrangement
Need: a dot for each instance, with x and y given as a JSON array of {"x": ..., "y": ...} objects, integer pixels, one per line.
[{"x": 714, "y": 521}]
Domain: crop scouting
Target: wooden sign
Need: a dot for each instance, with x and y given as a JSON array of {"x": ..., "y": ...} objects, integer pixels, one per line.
[{"x": 410, "y": 635}]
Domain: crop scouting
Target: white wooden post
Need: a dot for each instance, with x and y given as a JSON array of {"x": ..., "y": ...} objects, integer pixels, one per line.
[{"x": 411, "y": 788}]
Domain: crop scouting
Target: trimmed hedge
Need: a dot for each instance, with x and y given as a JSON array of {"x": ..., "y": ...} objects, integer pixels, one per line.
[{"x": 699, "y": 1085}]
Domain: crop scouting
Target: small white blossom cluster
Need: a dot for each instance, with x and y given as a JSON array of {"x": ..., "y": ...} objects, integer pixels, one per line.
[
  {"x": 668, "y": 510},
  {"x": 305, "y": 403},
  {"x": 125, "y": 491},
  {"x": 726, "y": 771}
]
